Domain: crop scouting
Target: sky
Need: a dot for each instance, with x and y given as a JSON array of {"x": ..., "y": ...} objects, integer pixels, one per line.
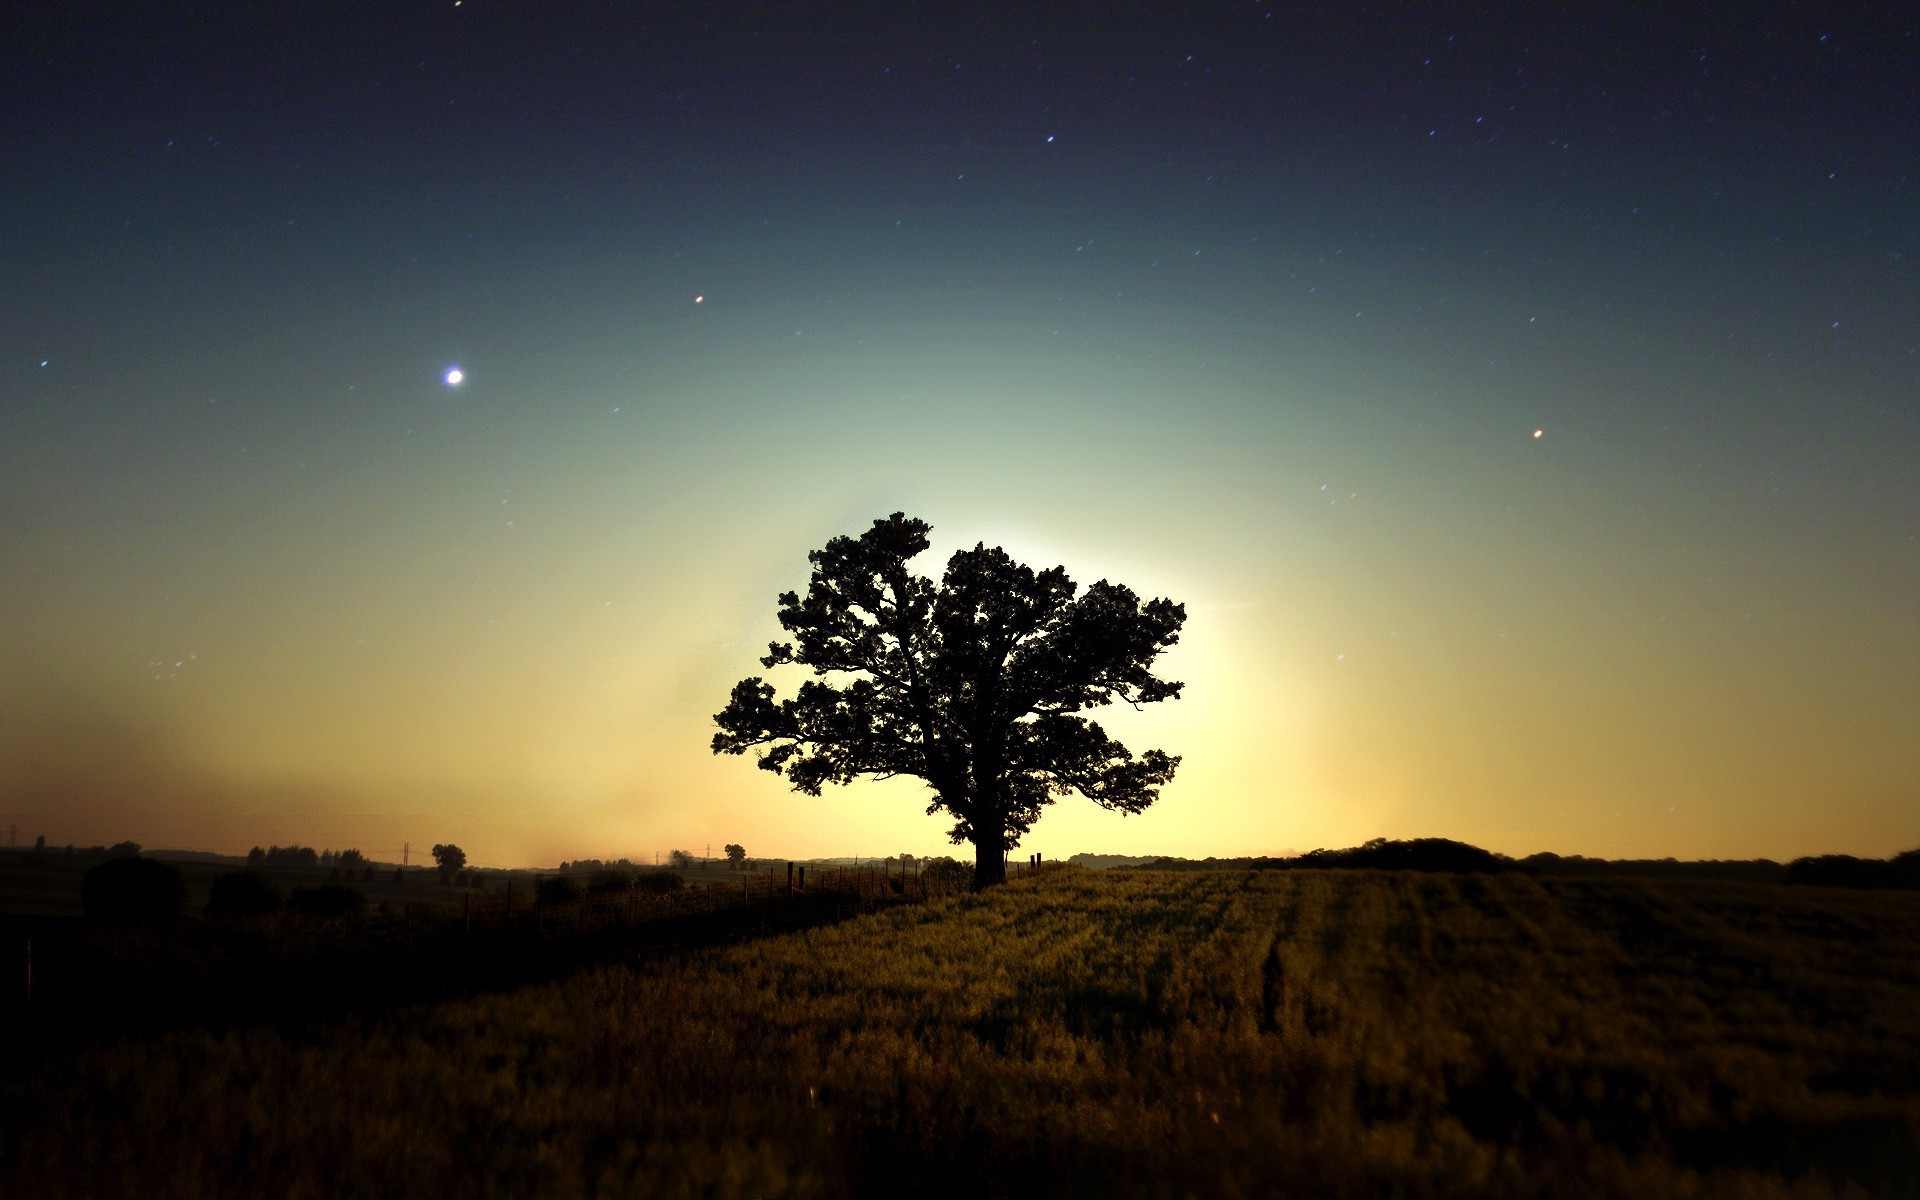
[{"x": 1523, "y": 400}]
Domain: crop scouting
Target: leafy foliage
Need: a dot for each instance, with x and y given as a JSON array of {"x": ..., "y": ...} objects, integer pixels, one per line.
[
  {"x": 975, "y": 685},
  {"x": 451, "y": 860}
]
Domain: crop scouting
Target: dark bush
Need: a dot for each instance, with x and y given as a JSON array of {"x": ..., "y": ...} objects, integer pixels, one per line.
[
  {"x": 1906, "y": 869},
  {"x": 328, "y": 901},
  {"x": 942, "y": 869},
  {"x": 604, "y": 882},
  {"x": 1841, "y": 870},
  {"x": 1419, "y": 854},
  {"x": 556, "y": 889},
  {"x": 659, "y": 881},
  {"x": 243, "y": 894},
  {"x": 124, "y": 850},
  {"x": 129, "y": 890}
]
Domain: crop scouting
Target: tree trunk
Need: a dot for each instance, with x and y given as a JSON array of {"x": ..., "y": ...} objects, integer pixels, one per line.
[{"x": 989, "y": 857}]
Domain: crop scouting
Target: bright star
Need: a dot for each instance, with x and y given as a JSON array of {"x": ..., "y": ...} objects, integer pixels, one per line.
[
  {"x": 700, "y": 299},
  {"x": 455, "y": 376}
]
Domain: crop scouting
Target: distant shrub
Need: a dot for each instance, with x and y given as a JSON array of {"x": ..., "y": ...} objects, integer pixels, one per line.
[
  {"x": 659, "y": 881},
  {"x": 130, "y": 890},
  {"x": 604, "y": 882},
  {"x": 556, "y": 889},
  {"x": 945, "y": 870},
  {"x": 243, "y": 894},
  {"x": 327, "y": 901},
  {"x": 1419, "y": 854},
  {"x": 124, "y": 850}
]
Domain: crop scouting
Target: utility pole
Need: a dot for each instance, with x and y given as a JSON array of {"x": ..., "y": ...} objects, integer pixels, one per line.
[{"x": 406, "y": 848}]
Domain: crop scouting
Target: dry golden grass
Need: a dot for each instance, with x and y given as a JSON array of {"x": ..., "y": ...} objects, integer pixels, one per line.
[{"x": 1081, "y": 1033}]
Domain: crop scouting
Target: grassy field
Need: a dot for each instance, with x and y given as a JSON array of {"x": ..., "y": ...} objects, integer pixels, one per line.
[
  {"x": 49, "y": 884},
  {"x": 1082, "y": 1033}
]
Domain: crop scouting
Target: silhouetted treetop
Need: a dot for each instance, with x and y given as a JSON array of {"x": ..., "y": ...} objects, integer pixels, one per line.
[{"x": 972, "y": 684}]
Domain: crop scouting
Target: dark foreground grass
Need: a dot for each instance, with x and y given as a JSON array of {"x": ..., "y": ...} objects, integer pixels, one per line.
[{"x": 1085, "y": 1034}]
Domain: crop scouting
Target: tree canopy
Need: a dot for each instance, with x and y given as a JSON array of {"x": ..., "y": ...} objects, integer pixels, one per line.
[
  {"x": 973, "y": 684},
  {"x": 451, "y": 860}
]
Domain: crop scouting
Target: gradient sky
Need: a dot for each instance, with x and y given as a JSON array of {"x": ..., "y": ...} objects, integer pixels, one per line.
[{"x": 1524, "y": 404}]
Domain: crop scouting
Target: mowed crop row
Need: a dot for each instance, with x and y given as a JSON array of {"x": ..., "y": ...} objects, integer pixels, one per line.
[{"x": 1083, "y": 1033}]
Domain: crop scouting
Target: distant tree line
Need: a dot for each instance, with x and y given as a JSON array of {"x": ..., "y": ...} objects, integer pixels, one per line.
[
  {"x": 593, "y": 864},
  {"x": 1445, "y": 854},
  {"x": 341, "y": 865},
  {"x": 1380, "y": 854},
  {"x": 1844, "y": 870},
  {"x": 1442, "y": 854},
  {"x": 612, "y": 881}
]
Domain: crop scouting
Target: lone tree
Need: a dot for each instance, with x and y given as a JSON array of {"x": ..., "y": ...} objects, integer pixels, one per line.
[
  {"x": 451, "y": 860},
  {"x": 736, "y": 855},
  {"x": 971, "y": 684}
]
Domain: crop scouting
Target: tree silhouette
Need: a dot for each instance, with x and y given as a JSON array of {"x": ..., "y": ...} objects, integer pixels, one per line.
[
  {"x": 736, "y": 854},
  {"x": 451, "y": 860},
  {"x": 972, "y": 684}
]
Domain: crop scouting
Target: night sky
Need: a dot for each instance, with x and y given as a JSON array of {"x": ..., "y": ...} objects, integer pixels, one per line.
[{"x": 1524, "y": 401}]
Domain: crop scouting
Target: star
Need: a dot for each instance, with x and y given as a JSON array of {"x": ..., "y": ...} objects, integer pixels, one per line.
[{"x": 455, "y": 376}]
